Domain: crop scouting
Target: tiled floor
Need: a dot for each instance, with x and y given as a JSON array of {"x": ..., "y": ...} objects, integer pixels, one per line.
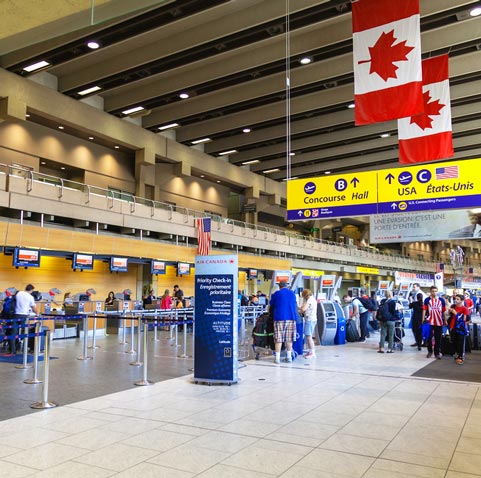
[{"x": 349, "y": 413}]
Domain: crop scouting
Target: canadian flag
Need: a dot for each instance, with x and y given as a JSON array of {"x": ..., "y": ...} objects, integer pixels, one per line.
[
  {"x": 387, "y": 60},
  {"x": 428, "y": 136}
]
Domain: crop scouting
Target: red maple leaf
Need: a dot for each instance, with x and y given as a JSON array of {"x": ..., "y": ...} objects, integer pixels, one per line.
[
  {"x": 385, "y": 53},
  {"x": 424, "y": 120}
]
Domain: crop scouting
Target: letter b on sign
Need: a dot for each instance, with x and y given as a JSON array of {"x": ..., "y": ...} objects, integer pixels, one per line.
[{"x": 340, "y": 185}]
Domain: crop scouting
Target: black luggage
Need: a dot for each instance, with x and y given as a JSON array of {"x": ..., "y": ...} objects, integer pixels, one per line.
[
  {"x": 352, "y": 334},
  {"x": 263, "y": 331},
  {"x": 447, "y": 347},
  {"x": 475, "y": 336}
]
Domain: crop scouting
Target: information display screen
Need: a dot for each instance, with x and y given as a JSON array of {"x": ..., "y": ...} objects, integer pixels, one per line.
[
  {"x": 83, "y": 262},
  {"x": 118, "y": 264},
  {"x": 26, "y": 257}
]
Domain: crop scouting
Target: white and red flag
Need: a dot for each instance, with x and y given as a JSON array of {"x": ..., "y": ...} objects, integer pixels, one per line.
[
  {"x": 387, "y": 60},
  {"x": 203, "y": 235},
  {"x": 428, "y": 136}
]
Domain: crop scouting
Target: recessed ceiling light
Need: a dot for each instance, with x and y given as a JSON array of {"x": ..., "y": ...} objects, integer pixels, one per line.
[
  {"x": 116, "y": 147},
  {"x": 36, "y": 66},
  {"x": 305, "y": 61},
  {"x": 231, "y": 151},
  {"x": 217, "y": 181},
  {"x": 267, "y": 171},
  {"x": 27, "y": 116},
  {"x": 246, "y": 130},
  {"x": 385, "y": 135},
  {"x": 93, "y": 45},
  {"x": 327, "y": 172},
  {"x": 292, "y": 154},
  {"x": 61, "y": 127},
  {"x": 91, "y": 138},
  {"x": 62, "y": 167},
  {"x": 184, "y": 96},
  {"x": 202, "y": 176},
  {"x": 475, "y": 12},
  {"x": 198, "y": 141},
  {"x": 168, "y": 126},
  {"x": 135, "y": 109},
  {"x": 89, "y": 90},
  {"x": 252, "y": 161},
  {"x": 351, "y": 106},
  {"x": 43, "y": 162}
]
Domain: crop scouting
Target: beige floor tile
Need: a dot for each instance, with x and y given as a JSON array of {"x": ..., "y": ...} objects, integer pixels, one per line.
[
  {"x": 226, "y": 442},
  {"x": 457, "y": 474},
  {"x": 297, "y": 471},
  {"x": 407, "y": 469},
  {"x": 184, "y": 429},
  {"x": 31, "y": 438},
  {"x": 189, "y": 458},
  {"x": 337, "y": 462},
  {"x": 149, "y": 470},
  {"x": 71, "y": 469},
  {"x": 224, "y": 471},
  {"x": 466, "y": 463},
  {"x": 441, "y": 462},
  {"x": 93, "y": 439},
  {"x": 157, "y": 439},
  {"x": 470, "y": 445},
  {"x": 6, "y": 450},
  {"x": 370, "y": 430},
  {"x": 358, "y": 445},
  {"x": 285, "y": 436},
  {"x": 12, "y": 470},
  {"x": 250, "y": 428}
]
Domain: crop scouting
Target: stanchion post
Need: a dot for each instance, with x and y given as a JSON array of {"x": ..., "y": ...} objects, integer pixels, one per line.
[
  {"x": 46, "y": 368},
  {"x": 36, "y": 348},
  {"x": 122, "y": 339},
  {"x": 156, "y": 325},
  {"x": 145, "y": 381},
  {"x": 24, "y": 364},
  {"x": 132, "y": 336},
  {"x": 94, "y": 334},
  {"x": 138, "y": 362},
  {"x": 85, "y": 326},
  {"x": 184, "y": 354}
]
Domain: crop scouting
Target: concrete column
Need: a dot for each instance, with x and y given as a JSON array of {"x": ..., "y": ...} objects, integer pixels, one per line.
[
  {"x": 12, "y": 109},
  {"x": 144, "y": 170}
]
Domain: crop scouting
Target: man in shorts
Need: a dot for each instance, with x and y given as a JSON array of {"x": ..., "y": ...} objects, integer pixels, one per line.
[{"x": 283, "y": 307}]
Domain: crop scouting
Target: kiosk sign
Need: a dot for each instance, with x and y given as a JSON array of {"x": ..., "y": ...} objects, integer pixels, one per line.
[
  {"x": 215, "y": 313},
  {"x": 453, "y": 185},
  {"x": 351, "y": 194}
]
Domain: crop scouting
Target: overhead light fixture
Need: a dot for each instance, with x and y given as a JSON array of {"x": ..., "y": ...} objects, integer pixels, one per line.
[
  {"x": 475, "y": 12},
  {"x": 351, "y": 106},
  {"x": 91, "y": 138},
  {"x": 43, "y": 162},
  {"x": 292, "y": 154},
  {"x": 93, "y": 45},
  {"x": 385, "y": 135},
  {"x": 203, "y": 140},
  {"x": 27, "y": 115},
  {"x": 267, "y": 171},
  {"x": 87, "y": 91},
  {"x": 184, "y": 96},
  {"x": 202, "y": 176},
  {"x": 246, "y": 130},
  {"x": 62, "y": 167},
  {"x": 231, "y": 151},
  {"x": 116, "y": 146},
  {"x": 327, "y": 172},
  {"x": 217, "y": 181},
  {"x": 168, "y": 126},
  {"x": 135, "y": 109},
  {"x": 305, "y": 61},
  {"x": 36, "y": 66},
  {"x": 61, "y": 127},
  {"x": 252, "y": 161}
]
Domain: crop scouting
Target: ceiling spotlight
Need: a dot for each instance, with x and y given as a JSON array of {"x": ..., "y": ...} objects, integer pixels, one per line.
[
  {"x": 327, "y": 172},
  {"x": 62, "y": 167},
  {"x": 27, "y": 116},
  {"x": 43, "y": 162},
  {"x": 203, "y": 140},
  {"x": 246, "y": 130},
  {"x": 135, "y": 109},
  {"x": 93, "y": 45},
  {"x": 168, "y": 126},
  {"x": 475, "y": 12},
  {"x": 351, "y": 106},
  {"x": 231, "y": 151},
  {"x": 61, "y": 127},
  {"x": 89, "y": 90},
  {"x": 91, "y": 138},
  {"x": 36, "y": 66},
  {"x": 116, "y": 146},
  {"x": 385, "y": 135},
  {"x": 202, "y": 176},
  {"x": 184, "y": 96},
  {"x": 217, "y": 181},
  {"x": 305, "y": 61},
  {"x": 267, "y": 171},
  {"x": 292, "y": 154}
]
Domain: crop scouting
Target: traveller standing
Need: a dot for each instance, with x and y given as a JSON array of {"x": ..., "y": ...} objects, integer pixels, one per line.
[
  {"x": 363, "y": 313},
  {"x": 283, "y": 307},
  {"x": 434, "y": 308},
  {"x": 458, "y": 319},
  {"x": 25, "y": 305},
  {"x": 309, "y": 311},
  {"x": 178, "y": 296},
  {"x": 387, "y": 319},
  {"x": 417, "y": 320}
]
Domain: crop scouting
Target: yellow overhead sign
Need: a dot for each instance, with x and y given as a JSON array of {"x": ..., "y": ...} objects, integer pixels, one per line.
[
  {"x": 453, "y": 185},
  {"x": 367, "y": 270},
  {"x": 350, "y": 194}
]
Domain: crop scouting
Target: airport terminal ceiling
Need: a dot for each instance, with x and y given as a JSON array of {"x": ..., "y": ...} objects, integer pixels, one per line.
[{"x": 227, "y": 58}]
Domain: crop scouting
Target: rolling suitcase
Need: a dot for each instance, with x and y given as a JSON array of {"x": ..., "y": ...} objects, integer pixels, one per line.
[
  {"x": 352, "y": 334},
  {"x": 475, "y": 336},
  {"x": 447, "y": 347}
]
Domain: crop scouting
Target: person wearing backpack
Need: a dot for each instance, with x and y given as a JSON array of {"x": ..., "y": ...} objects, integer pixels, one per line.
[
  {"x": 417, "y": 320},
  {"x": 434, "y": 309},
  {"x": 458, "y": 320},
  {"x": 386, "y": 315},
  {"x": 361, "y": 306}
]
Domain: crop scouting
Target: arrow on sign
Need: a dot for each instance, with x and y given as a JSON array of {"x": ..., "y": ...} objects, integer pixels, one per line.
[
  {"x": 393, "y": 206},
  {"x": 299, "y": 213},
  {"x": 389, "y": 178},
  {"x": 354, "y": 181}
]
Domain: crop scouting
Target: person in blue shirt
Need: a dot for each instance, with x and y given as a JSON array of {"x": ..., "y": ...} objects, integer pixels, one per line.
[{"x": 283, "y": 307}]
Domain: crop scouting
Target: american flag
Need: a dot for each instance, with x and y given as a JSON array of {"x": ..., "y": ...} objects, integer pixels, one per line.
[
  {"x": 439, "y": 267},
  {"x": 447, "y": 172},
  {"x": 203, "y": 235}
]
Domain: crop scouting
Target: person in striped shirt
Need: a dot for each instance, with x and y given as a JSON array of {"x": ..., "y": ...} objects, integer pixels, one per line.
[{"x": 433, "y": 311}]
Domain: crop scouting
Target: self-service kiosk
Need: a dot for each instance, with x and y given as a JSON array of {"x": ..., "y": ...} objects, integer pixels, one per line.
[
  {"x": 330, "y": 317},
  {"x": 382, "y": 287}
]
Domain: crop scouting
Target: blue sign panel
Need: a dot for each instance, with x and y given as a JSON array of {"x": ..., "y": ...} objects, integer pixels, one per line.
[
  {"x": 216, "y": 331},
  {"x": 336, "y": 211}
]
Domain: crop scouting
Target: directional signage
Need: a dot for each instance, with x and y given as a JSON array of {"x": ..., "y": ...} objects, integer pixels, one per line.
[
  {"x": 448, "y": 185},
  {"x": 453, "y": 185},
  {"x": 352, "y": 194}
]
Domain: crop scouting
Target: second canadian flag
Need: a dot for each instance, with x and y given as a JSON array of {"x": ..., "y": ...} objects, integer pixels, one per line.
[{"x": 428, "y": 136}]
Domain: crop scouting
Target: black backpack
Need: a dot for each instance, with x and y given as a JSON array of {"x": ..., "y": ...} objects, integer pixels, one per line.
[
  {"x": 384, "y": 312},
  {"x": 367, "y": 303},
  {"x": 9, "y": 306}
]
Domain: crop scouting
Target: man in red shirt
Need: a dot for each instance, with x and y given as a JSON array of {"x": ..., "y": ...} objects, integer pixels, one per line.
[
  {"x": 468, "y": 302},
  {"x": 458, "y": 329},
  {"x": 433, "y": 311}
]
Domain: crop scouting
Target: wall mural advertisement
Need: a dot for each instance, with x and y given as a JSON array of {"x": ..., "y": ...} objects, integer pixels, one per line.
[{"x": 425, "y": 226}]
